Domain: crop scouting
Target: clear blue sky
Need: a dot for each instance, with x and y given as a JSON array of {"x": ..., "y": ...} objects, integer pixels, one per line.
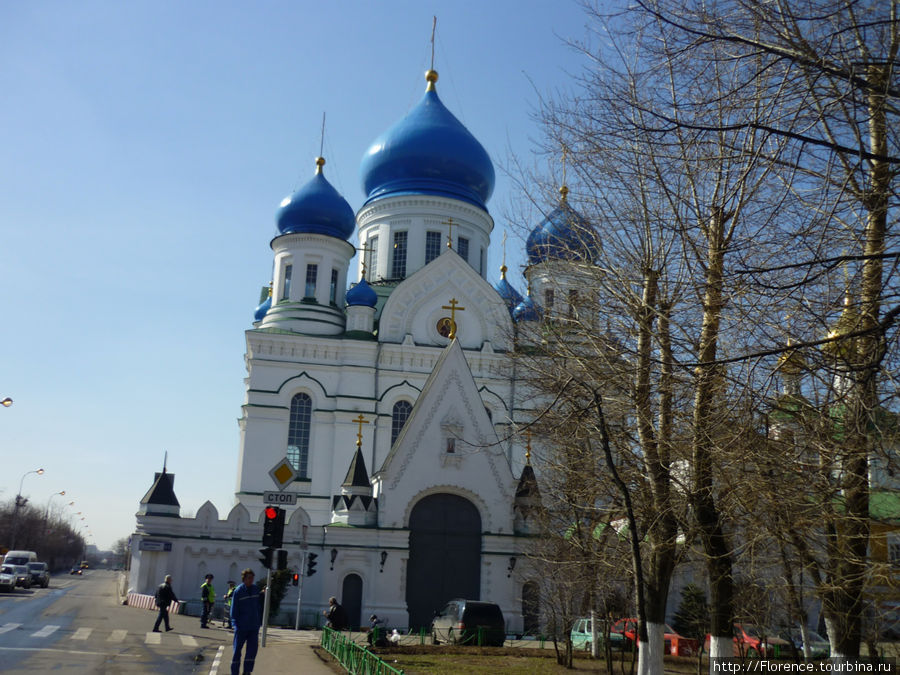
[{"x": 144, "y": 149}]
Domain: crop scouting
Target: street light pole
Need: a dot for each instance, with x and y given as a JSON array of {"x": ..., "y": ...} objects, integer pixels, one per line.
[{"x": 20, "y": 502}]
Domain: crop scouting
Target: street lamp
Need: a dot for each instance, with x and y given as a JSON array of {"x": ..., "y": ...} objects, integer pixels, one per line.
[{"x": 20, "y": 501}]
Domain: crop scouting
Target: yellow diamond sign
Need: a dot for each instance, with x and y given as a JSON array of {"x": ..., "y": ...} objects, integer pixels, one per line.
[{"x": 283, "y": 474}]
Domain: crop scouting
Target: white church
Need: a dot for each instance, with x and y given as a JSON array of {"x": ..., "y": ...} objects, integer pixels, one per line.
[{"x": 389, "y": 411}]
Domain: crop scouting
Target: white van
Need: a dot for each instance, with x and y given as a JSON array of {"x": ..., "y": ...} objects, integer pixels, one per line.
[{"x": 20, "y": 558}]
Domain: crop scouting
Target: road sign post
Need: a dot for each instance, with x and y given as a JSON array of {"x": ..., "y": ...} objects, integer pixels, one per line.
[
  {"x": 300, "y": 592},
  {"x": 265, "y": 621}
]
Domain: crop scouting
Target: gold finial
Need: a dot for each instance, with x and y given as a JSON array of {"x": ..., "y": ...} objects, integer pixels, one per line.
[
  {"x": 431, "y": 77},
  {"x": 320, "y": 162},
  {"x": 502, "y": 272},
  {"x": 454, "y": 308},
  {"x": 360, "y": 421},
  {"x": 528, "y": 446},
  {"x": 270, "y": 289},
  {"x": 563, "y": 193},
  {"x": 563, "y": 190},
  {"x": 449, "y": 223}
]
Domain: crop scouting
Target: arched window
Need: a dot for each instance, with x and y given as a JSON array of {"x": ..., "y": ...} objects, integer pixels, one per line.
[
  {"x": 298, "y": 434},
  {"x": 402, "y": 409}
]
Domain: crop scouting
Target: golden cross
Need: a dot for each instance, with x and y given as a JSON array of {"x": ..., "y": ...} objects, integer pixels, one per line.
[
  {"x": 453, "y": 310},
  {"x": 365, "y": 250},
  {"x": 449, "y": 222},
  {"x": 360, "y": 421}
]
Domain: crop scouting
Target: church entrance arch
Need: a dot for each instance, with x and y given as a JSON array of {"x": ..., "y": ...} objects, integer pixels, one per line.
[
  {"x": 444, "y": 555},
  {"x": 351, "y": 599}
]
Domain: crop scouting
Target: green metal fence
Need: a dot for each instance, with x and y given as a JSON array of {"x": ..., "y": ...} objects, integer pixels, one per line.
[{"x": 355, "y": 658}]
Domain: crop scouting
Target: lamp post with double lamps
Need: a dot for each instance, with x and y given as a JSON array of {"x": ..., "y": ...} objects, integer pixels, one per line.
[{"x": 20, "y": 502}]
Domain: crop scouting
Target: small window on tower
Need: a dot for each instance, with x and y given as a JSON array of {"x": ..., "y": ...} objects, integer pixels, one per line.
[
  {"x": 451, "y": 445},
  {"x": 573, "y": 302},
  {"x": 312, "y": 271},
  {"x": 548, "y": 299},
  {"x": 332, "y": 290},
  {"x": 286, "y": 284},
  {"x": 462, "y": 247},
  {"x": 398, "y": 264},
  {"x": 371, "y": 258},
  {"x": 432, "y": 246}
]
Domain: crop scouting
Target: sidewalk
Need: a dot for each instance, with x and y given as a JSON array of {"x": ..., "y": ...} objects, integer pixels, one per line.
[{"x": 286, "y": 658}]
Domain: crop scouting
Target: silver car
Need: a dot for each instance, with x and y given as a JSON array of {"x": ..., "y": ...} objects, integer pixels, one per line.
[
  {"x": 23, "y": 576},
  {"x": 7, "y": 578}
]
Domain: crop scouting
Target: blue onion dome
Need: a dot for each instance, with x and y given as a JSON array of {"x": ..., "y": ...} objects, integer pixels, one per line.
[
  {"x": 362, "y": 294},
  {"x": 511, "y": 297},
  {"x": 527, "y": 310},
  {"x": 316, "y": 208},
  {"x": 563, "y": 235},
  {"x": 263, "y": 307},
  {"x": 428, "y": 152}
]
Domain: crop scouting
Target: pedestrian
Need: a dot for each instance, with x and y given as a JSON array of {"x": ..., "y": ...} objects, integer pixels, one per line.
[
  {"x": 227, "y": 596},
  {"x": 165, "y": 596},
  {"x": 246, "y": 617},
  {"x": 336, "y": 618},
  {"x": 208, "y": 595},
  {"x": 374, "y": 637}
]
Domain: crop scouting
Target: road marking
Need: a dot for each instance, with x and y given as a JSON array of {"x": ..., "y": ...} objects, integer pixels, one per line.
[
  {"x": 82, "y": 634},
  {"x": 45, "y": 631},
  {"x": 117, "y": 636},
  {"x": 214, "y": 668},
  {"x": 153, "y": 638},
  {"x": 8, "y": 627},
  {"x": 188, "y": 640}
]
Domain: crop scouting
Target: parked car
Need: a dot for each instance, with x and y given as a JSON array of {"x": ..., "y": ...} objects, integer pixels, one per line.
[
  {"x": 582, "y": 638},
  {"x": 819, "y": 647},
  {"x": 755, "y": 641},
  {"x": 7, "y": 578},
  {"x": 23, "y": 576},
  {"x": 673, "y": 643},
  {"x": 469, "y": 622},
  {"x": 40, "y": 575}
]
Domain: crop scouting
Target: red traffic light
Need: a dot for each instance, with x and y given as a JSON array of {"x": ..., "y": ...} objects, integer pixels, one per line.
[
  {"x": 271, "y": 513},
  {"x": 295, "y": 580}
]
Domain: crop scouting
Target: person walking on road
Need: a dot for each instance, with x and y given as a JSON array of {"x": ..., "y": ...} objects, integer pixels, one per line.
[
  {"x": 228, "y": 594},
  {"x": 165, "y": 596},
  {"x": 246, "y": 617},
  {"x": 208, "y": 595}
]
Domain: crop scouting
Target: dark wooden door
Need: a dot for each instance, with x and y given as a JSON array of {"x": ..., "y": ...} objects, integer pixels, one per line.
[
  {"x": 444, "y": 556},
  {"x": 351, "y": 599}
]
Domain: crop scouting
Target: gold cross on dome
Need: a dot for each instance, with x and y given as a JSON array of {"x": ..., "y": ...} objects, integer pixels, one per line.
[
  {"x": 449, "y": 223},
  {"x": 364, "y": 251},
  {"x": 454, "y": 308},
  {"x": 360, "y": 421}
]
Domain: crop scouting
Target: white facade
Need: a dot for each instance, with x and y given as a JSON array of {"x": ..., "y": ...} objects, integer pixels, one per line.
[{"x": 457, "y": 443}]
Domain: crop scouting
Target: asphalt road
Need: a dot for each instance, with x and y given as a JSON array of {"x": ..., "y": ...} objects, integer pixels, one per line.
[{"x": 78, "y": 626}]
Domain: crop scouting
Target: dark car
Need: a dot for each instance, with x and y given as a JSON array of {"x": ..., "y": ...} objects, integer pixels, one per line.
[
  {"x": 40, "y": 575},
  {"x": 469, "y": 622},
  {"x": 76, "y": 570}
]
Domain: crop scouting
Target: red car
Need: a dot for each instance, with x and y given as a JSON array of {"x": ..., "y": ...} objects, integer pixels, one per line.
[
  {"x": 753, "y": 641},
  {"x": 674, "y": 644}
]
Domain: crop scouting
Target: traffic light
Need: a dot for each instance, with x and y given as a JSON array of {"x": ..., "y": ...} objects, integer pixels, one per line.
[
  {"x": 295, "y": 579},
  {"x": 266, "y": 559},
  {"x": 273, "y": 526},
  {"x": 311, "y": 564},
  {"x": 282, "y": 560}
]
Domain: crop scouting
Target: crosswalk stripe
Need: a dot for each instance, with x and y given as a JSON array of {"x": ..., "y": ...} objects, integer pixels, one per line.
[
  {"x": 188, "y": 640},
  {"x": 117, "y": 636},
  {"x": 5, "y": 628},
  {"x": 82, "y": 634},
  {"x": 153, "y": 638},
  {"x": 45, "y": 631}
]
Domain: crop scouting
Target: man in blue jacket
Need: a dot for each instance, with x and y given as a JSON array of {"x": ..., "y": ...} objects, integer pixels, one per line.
[{"x": 246, "y": 617}]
